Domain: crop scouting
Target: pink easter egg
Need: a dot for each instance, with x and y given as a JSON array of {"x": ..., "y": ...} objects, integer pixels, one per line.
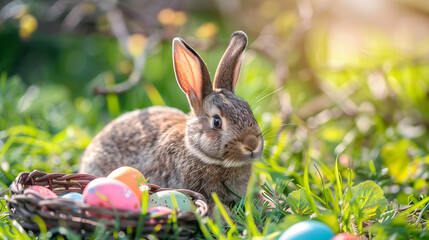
[
  {"x": 160, "y": 210},
  {"x": 108, "y": 193},
  {"x": 45, "y": 192},
  {"x": 156, "y": 212}
]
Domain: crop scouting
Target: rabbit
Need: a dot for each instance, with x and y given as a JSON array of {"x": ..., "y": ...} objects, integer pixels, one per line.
[{"x": 211, "y": 149}]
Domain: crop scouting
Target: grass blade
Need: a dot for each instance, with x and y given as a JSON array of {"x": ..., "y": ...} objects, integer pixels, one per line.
[
  {"x": 308, "y": 192},
  {"x": 338, "y": 182}
]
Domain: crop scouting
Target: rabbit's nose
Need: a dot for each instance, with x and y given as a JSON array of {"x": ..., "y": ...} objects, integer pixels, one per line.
[{"x": 250, "y": 143}]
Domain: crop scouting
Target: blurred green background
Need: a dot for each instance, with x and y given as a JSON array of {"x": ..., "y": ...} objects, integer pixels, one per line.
[{"x": 325, "y": 79}]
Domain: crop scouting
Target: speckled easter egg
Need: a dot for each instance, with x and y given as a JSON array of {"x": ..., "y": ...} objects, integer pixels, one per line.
[
  {"x": 163, "y": 199},
  {"x": 108, "y": 192},
  {"x": 132, "y": 177},
  {"x": 45, "y": 192},
  {"x": 308, "y": 230},
  {"x": 73, "y": 196}
]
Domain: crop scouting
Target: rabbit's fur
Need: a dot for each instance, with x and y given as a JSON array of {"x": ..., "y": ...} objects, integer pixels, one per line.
[{"x": 191, "y": 151}]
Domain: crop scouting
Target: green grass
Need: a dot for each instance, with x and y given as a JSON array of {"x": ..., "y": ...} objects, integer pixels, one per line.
[{"x": 364, "y": 173}]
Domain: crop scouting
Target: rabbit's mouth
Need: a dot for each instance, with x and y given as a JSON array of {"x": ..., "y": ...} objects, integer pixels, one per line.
[
  {"x": 251, "y": 147},
  {"x": 249, "y": 157},
  {"x": 256, "y": 155}
]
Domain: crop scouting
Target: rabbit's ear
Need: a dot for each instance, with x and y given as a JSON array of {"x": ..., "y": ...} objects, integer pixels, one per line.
[
  {"x": 191, "y": 74},
  {"x": 227, "y": 72}
]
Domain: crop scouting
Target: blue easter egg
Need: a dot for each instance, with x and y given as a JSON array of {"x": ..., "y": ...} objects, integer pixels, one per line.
[
  {"x": 308, "y": 230},
  {"x": 73, "y": 196}
]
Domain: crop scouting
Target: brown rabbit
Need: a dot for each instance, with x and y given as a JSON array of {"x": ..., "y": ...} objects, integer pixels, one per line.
[{"x": 214, "y": 145}]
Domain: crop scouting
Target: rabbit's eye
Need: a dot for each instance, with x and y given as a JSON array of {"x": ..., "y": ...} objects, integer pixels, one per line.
[{"x": 217, "y": 122}]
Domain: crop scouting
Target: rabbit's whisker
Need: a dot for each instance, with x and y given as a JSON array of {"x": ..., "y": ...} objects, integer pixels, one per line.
[
  {"x": 260, "y": 94},
  {"x": 199, "y": 169},
  {"x": 228, "y": 162},
  {"x": 269, "y": 94},
  {"x": 198, "y": 180},
  {"x": 208, "y": 180},
  {"x": 288, "y": 124},
  {"x": 265, "y": 131},
  {"x": 202, "y": 175},
  {"x": 256, "y": 98},
  {"x": 270, "y": 129}
]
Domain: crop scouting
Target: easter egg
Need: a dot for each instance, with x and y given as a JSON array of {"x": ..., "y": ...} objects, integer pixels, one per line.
[
  {"x": 108, "y": 193},
  {"x": 45, "y": 192},
  {"x": 132, "y": 177},
  {"x": 163, "y": 199},
  {"x": 73, "y": 196},
  {"x": 308, "y": 230},
  {"x": 159, "y": 210},
  {"x": 156, "y": 212},
  {"x": 345, "y": 236}
]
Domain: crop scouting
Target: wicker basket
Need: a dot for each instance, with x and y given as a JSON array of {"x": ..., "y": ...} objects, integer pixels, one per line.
[{"x": 80, "y": 217}]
